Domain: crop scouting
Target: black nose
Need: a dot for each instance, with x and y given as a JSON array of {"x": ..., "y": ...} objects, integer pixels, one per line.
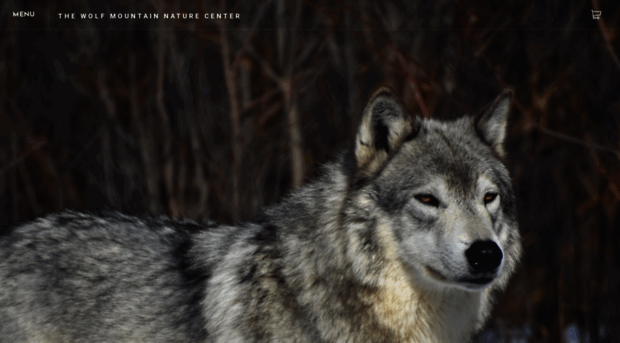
[{"x": 484, "y": 256}]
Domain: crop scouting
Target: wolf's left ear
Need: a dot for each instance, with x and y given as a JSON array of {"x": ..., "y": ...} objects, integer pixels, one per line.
[
  {"x": 492, "y": 124},
  {"x": 386, "y": 124}
]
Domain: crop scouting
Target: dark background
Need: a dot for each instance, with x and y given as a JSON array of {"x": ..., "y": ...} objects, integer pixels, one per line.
[{"x": 217, "y": 118}]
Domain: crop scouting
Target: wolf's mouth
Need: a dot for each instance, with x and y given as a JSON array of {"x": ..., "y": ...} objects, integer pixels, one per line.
[{"x": 477, "y": 281}]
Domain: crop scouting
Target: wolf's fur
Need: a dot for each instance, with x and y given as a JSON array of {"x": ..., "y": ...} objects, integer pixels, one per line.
[{"x": 373, "y": 251}]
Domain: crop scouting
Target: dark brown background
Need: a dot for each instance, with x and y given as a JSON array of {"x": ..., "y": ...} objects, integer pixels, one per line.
[{"x": 217, "y": 118}]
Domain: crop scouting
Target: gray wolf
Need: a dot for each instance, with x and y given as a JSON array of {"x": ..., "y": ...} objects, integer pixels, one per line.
[{"x": 403, "y": 239}]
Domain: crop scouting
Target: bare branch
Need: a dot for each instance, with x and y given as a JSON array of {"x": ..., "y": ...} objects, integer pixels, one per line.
[
  {"x": 414, "y": 83},
  {"x": 145, "y": 142},
  {"x": 168, "y": 160},
  {"x": 565, "y": 136},
  {"x": 601, "y": 25},
  {"x": 229, "y": 76},
  {"x": 19, "y": 159},
  {"x": 287, "y": 85}
]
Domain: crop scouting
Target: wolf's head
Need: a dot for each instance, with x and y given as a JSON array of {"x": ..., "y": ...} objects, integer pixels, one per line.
[{"x": 437, "y": 193}]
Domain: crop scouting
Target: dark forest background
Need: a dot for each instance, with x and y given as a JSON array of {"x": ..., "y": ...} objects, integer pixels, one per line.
[{"x": 218, "y": 118}]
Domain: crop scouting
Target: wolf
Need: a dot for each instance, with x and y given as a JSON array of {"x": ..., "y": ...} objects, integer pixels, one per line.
[{"x": 405, "y": 238}]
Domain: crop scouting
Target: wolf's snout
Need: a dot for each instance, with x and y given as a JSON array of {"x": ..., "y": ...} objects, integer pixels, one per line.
[{"x": 484, "y": 256}]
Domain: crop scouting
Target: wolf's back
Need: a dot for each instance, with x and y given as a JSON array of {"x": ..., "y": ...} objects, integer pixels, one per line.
[{"x": 113, "y": 278}]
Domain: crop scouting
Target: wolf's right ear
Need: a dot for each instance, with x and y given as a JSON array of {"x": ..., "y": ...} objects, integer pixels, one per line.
[
  {"x": 492, "y": 124},
  {"x": 386, "y": 124}
]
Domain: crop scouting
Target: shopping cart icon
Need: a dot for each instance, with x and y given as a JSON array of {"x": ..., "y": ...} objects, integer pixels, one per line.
[{"x": 596, "y": 14}]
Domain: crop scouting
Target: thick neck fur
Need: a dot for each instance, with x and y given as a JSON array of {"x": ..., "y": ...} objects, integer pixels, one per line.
[{"x": 357, "y": 285}]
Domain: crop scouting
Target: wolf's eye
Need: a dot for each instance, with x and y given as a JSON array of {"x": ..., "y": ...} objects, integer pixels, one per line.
[
  {"x": 489, "y": 197},
  {"x": 427, "y": 199}
]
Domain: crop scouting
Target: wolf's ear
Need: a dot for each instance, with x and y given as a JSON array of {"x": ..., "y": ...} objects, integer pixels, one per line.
[
  {"x": 491, "y": 125},
  {"x": 386, "y": 124}
]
